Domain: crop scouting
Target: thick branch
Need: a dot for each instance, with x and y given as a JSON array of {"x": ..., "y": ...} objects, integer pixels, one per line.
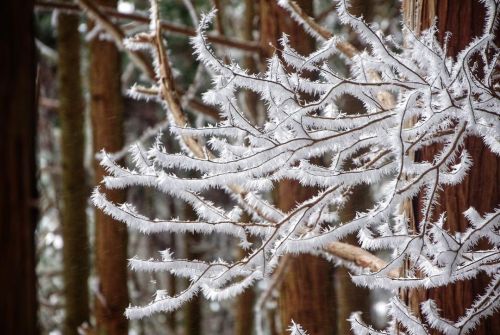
[{"x": 358, "y": 256}]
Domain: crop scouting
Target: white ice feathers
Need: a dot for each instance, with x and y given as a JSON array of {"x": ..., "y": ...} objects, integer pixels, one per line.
[{"x": 310, "y": 140}]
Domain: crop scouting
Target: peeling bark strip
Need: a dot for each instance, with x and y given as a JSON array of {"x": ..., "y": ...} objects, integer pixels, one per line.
[
  {"x": 75, "y": 192},
  {"x": 481, "y": 187},
  {"x": 18, "y": 210},
  {"x": 111, "y": 236}
]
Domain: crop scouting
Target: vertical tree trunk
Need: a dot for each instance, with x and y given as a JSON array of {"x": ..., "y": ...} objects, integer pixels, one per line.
[
  {"x": 481, "y": 188},
  {"x": 74, "y": 187},
  {"x": 193, "y": 309},
  {"x": 111, "y": 236},
  {"x": 18, "y": 214},
  {"x": 350, "y": 298},
  {"x": 244, "y": 313},
  {"x": 306, "y": 294},
  {"x": 245, "y": 301}
]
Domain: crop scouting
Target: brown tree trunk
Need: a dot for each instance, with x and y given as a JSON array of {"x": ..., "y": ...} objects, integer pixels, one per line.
[
  {"x": 245, "y": 301},
  {"x": 481, "y": 188},
  {"x": 111, "y": 236},
  {"x": 18, "y": 214},
  {"x": 350, "y": 298},
  {"x": 192, "y": 311},
  {"x": 74, "y": 187},
  {"x": 306, "y": 293},
  {"x": 244, "y": 313}
]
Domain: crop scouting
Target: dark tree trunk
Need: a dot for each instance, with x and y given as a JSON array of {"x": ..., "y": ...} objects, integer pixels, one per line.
[
  {"x": 74, "y": 187},
  {"x": 306, "y": 294},
  {"x": 111, "y": 236},
  {"x": 350, "y": 298},
  {"x": 18, "y": 213},
  {"x": 245, "y": 302},
  {"x": 481, "y": 188},
  {"x": 193, "y": 309}
]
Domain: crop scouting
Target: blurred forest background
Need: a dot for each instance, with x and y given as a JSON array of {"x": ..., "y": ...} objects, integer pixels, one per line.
[{"x": 78, "y": 256}]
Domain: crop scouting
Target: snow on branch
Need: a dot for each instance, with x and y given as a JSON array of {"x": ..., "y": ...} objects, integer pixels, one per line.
[{"x": 429, "y": 99}]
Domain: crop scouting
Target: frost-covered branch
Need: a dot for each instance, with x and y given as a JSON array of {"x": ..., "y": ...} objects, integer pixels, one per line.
[{"x": 311, "y": 140}]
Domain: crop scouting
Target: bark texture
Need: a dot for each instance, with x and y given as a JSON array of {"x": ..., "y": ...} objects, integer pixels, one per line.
[
  {"x": 193, "y": 309},
  {"x": 306, "y": 293},
  {"x": 481, "y": 188},
  {"x": 18, "y": 213},
  {"x": 348, "y": 297},
  {"x": 111, "y": 236},
  {"x": 74, "y": 186},
  {"x": 244, "y": 313}
]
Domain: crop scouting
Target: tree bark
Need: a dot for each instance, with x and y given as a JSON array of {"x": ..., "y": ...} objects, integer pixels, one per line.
[
  {"x": 193, "y": 309},
  {"x": 481, "y": 188},
  {"x": 306, "y": 293},
  {"x": 111, "y": 236},
  {"x": 350, "y": 298},
  {"x": 18, "y": 213},
  {"x": 74, "y": 187}
]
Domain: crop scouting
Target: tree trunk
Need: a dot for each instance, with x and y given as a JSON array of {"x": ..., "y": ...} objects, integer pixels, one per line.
[
  {"x": 193, "y": 309},
  {"x": 306, "y": 293},
  {"x": 245, "y": 301},
  {"x": 74, "y": 187},
  {"x": 350, "y": 298},
  {"x": 18, "y": 214},
  {"x": 480, "y": 189},
  {"x": 244, "y": 313},
  {"x": 111, "y": 236}
]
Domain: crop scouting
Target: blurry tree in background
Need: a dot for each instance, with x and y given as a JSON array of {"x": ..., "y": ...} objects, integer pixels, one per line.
[
  {"x": 18, "y": 195},
  {"x": 481, "y": 187},
  {"x": 106, "y": 106},
  {"x": 74, "y": 192},
  {"x": 304, "y": 288}
]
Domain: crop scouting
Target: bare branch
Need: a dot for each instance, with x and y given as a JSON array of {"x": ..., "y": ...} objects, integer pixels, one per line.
[{"x": 358, "y": 256}]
